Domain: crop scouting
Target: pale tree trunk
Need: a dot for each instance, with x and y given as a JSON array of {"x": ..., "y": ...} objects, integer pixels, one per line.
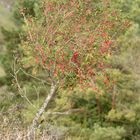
[{"x": 42, "y": 110}]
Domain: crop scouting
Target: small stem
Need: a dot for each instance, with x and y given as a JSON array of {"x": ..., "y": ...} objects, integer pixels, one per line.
[
  {"x": 114, "y": 98},
  {"x": 98, "y": 105}
]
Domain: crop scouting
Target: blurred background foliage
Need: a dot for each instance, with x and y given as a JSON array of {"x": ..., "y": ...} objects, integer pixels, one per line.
[{"x": 119, "y": 123}]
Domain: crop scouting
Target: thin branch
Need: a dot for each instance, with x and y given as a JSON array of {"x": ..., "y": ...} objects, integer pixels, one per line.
[
  {"x": 43, "y": 81},
  {"x": 71, "y": 111},
  {"x": 22, "y": 92}
]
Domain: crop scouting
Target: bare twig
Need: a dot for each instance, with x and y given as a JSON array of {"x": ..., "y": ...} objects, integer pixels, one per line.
[{"x": 22, "y": 92}]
